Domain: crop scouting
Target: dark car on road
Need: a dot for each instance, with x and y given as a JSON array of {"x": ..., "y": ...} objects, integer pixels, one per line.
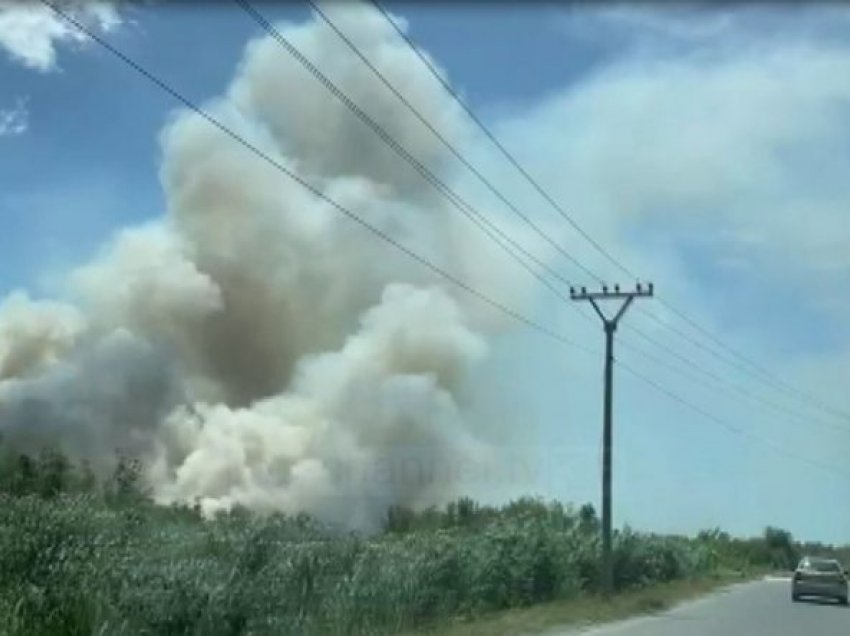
[{"x": 823, "y": 578}]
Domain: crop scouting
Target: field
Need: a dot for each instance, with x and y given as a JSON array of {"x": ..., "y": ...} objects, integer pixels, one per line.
[{"x": 81, "y": 558}]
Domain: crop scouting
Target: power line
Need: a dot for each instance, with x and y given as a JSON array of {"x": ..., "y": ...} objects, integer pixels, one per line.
[
  {"x": 721, "y": 385},
  {"x": 730, "y": 427},
  {"x": 499, "y": 145},
  {"x": 466, "y": 287},
  {"x": 764, "y": 377},
  {"x": 770, "y": 378},
  {"x": 463, "y": 206},
  {"x": 292, "y": 50},
  {"x": 424, "y": 121},
  {"x": 387, "y": 138},
  {"x": 746, "y": 370},
  {"x": 710, "y": 374},
  {"x": 730, "y": 389},
  {"x": 698, "y": 375},
  {"x": 363, "y": 58},
  {"x": 455, "y": 199}
]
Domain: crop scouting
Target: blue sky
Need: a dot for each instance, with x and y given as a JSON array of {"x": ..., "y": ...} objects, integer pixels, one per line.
[{"x": 705, "y": 147}]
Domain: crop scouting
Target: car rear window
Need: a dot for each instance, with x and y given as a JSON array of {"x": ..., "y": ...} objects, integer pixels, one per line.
[{"x": 824, "y": 566}]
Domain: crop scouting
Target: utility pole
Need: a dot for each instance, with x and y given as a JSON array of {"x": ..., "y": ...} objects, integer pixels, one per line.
[{"x": 610, "y": 325}]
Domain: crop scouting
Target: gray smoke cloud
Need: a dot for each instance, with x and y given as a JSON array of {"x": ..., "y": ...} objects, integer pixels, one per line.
[{"x": 254, "y": 346}]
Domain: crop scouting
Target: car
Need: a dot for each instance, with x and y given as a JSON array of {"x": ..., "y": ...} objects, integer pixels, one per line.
[{"x": 824, "y": 578}]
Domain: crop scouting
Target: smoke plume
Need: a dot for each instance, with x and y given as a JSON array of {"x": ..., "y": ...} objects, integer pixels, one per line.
[{"x": 254, "y": 346}]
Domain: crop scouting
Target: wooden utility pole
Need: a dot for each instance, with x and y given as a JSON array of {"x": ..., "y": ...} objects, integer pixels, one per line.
[{"x": 610, "y": 325}]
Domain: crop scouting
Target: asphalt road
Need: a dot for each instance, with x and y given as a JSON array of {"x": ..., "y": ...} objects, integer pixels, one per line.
[{"x": 761, "y": 608}]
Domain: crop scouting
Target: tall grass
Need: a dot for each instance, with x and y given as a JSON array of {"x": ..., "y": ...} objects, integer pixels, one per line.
[{"x": 108, "y": 561}]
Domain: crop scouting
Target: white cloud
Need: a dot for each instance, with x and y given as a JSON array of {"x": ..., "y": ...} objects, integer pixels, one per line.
[
  {"x": 29, "y": 31},
  {"x": 14, "y": 120}
]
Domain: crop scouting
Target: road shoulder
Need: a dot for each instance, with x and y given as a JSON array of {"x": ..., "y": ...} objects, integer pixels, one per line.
[{"x": 587, "y": 611}]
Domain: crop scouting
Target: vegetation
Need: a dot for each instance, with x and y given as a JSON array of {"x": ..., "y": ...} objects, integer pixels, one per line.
[
  {"x": 584, "y": 610},
  {"x": 82, "y": 557}
]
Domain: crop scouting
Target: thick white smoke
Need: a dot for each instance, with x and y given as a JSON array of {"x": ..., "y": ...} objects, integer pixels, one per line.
[
  {"x": 255, "y": 346},
  {"x": 357, "y": 429}
]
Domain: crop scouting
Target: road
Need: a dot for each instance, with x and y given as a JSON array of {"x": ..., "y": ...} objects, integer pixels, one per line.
[{"x": 761, "y": 608}]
